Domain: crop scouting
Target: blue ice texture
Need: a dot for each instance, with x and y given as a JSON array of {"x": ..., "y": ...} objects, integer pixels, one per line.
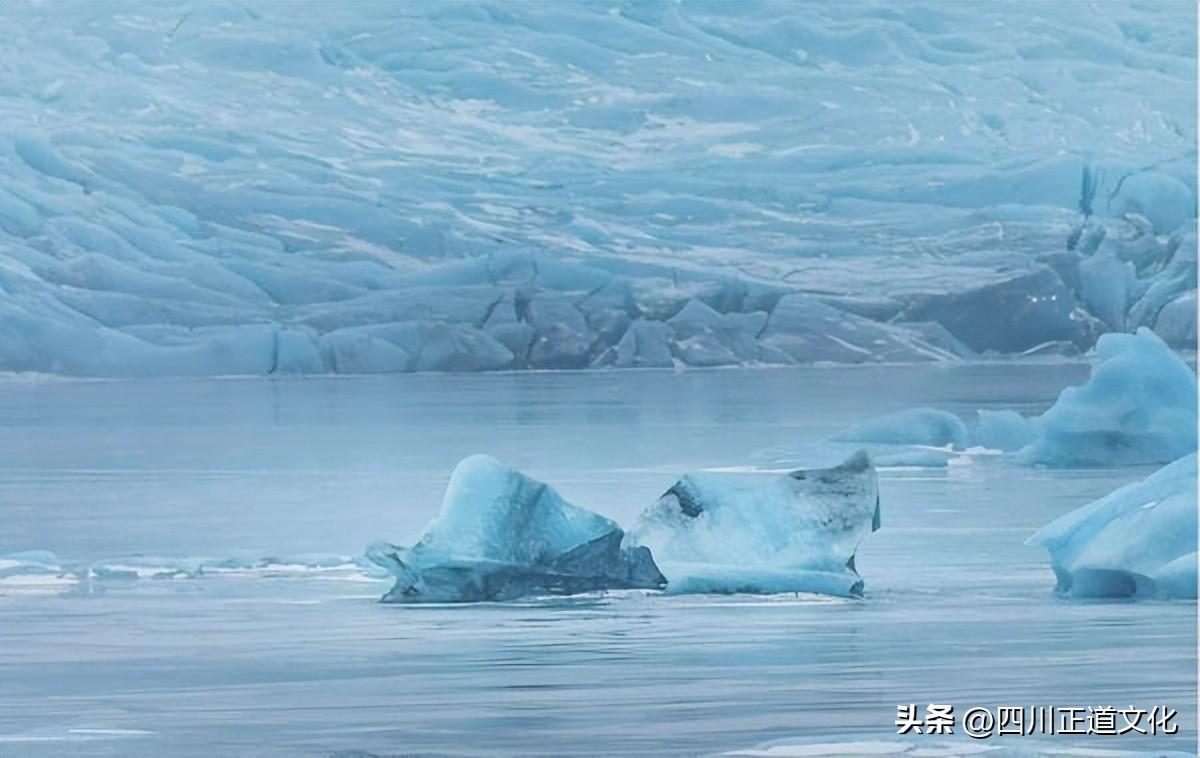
[
  {"x": 1138, "y": 541},
  {"x": 1138, "y": 406},
  {"x": 233, "y": 188},
  {"x": 501, "y": 535},
  {"x": 742, "y": 532}
]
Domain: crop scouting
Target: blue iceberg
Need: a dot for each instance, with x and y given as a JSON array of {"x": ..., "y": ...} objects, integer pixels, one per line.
[
  {"x": 1139, "y": 541},
  {"x": 910, "y": 426},
  {"x": 1138, "y": 406},
  {"x": 501, "y": 535},
  {"x": 727, "y": 532},
  {"x": 1004, "y": 430}
]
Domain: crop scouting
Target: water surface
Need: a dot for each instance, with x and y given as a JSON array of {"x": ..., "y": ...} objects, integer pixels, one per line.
[{"x": 292, "y": 660}]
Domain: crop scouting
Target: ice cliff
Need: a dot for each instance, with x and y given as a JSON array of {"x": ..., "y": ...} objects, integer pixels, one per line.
[
  {"x": 238, "y": 188},
  {"x": 1139, "y": 541}
]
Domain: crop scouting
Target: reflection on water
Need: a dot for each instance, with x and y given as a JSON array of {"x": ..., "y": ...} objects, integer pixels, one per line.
[{"x": 957, "y": 609}]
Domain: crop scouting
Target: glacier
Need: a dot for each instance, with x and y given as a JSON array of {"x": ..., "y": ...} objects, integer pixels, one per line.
[
  {"x": 735, "y": 532},
  {"x": 216, "y": 188},
  {"x": 1139, "y": 541},
  {"x": 501, "y": 535}
]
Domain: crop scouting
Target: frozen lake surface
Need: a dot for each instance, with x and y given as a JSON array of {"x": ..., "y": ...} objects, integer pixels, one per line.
[{"x": 299, "y": 659}]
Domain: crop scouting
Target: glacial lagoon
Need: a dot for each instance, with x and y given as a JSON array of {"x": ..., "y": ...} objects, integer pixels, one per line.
[{"x": 226, "y": 610}]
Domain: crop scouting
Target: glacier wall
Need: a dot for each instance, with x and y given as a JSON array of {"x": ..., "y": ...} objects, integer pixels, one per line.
[{"x": 238, "y": 188}]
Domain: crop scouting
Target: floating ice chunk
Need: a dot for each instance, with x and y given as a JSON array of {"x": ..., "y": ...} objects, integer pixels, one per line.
[
  {"x": 914, "y": 457},
  {"x": 34, "y": 571},
  {"x": 1004, "y": 430},
  {"x": 502, "y": 535},
  {"x": 763, "y": 533},
  {"x": 910, "y": 426},
  {"x": 1137, "y": 541},
  {"x": 134, "y": 568},
  {"x": 31, "y": 562},
  {"x": 1138, "y": 406}
]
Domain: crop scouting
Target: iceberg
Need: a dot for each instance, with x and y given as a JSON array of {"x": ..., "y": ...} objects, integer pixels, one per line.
[
  {"x": 501, "y": 535},
  {"x": 1005, "y": 430},
  {"x": 1138, "y": 541},
  {"x": 1138, "y": 406},
  {"x": 910, "y": 426},
  {"x": 725, "y": 532}
]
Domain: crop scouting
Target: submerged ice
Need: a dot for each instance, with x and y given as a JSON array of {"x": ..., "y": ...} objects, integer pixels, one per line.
[
  {"x": 1139, "y": 541},
  {"x": 763, "y": 533},
  {"x": 501, "y": 535}
]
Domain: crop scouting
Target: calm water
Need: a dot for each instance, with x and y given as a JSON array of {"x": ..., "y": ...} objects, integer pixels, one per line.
[{"x": 295, "y": 661}]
